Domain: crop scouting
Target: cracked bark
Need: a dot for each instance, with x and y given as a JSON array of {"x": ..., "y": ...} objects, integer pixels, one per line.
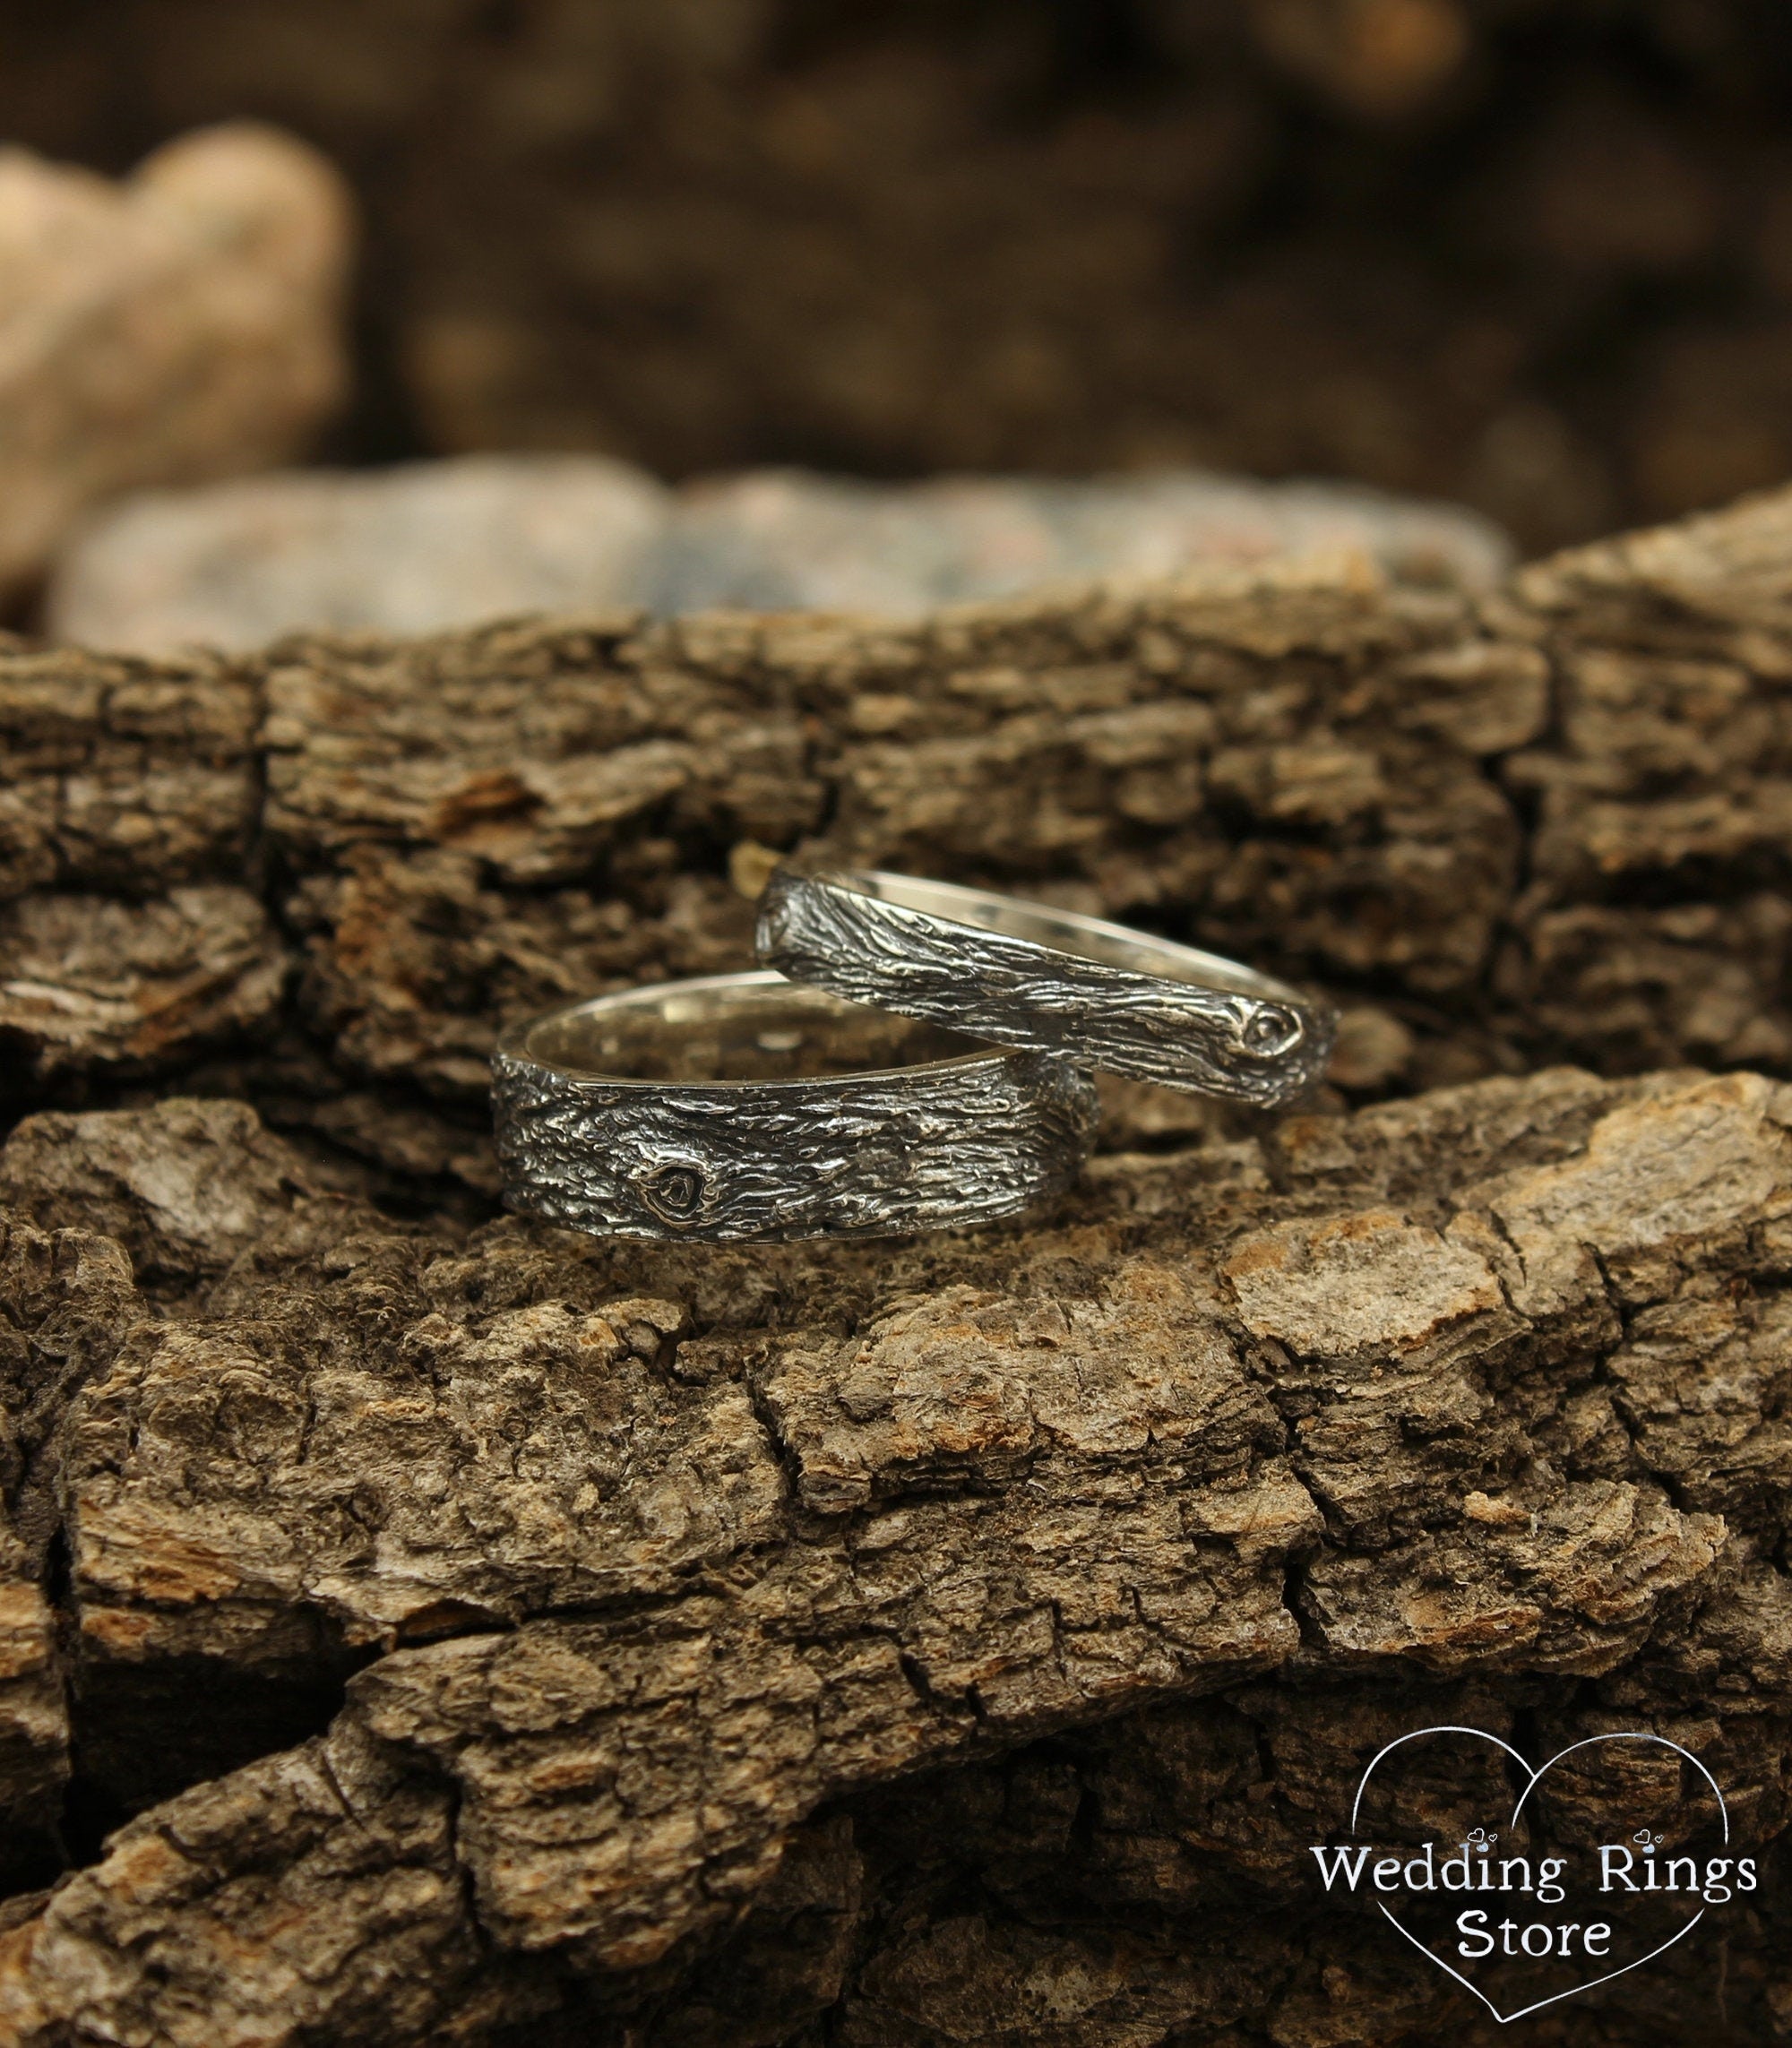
[
  {"x": 482, "y": 1633},
  {"x": 1548, "y": 825},
  {"x": 660, "y": 1562}
]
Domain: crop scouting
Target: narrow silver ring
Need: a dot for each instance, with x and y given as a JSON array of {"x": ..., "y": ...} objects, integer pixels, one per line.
[
  {"x": 742, "y": 1106},
  {"x": 1025, "y": 974}
]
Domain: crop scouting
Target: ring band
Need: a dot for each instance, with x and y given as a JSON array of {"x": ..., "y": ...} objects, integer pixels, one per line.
[
  {"x": 742, "y": 1107},
  {"x": 1048, "y": 981}
]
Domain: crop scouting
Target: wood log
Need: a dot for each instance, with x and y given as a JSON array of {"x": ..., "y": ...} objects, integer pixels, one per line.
[
  {"x": 643, "y": 1563},
  {"x": 1547, "y": 826},
  {"x": 419, "y": 1626}
]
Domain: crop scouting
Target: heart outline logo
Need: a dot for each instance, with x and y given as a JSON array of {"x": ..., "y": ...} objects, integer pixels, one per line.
[{"x": 1534, "y": 1777}]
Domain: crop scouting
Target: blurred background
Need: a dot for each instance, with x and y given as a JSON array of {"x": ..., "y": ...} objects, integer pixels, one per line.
[{"x": 1532, "y": 256}]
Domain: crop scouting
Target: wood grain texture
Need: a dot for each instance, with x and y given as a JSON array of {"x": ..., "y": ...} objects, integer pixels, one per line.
[
  {"x": 948, "y": 1143},
  {"x": 819, "y": 930}
]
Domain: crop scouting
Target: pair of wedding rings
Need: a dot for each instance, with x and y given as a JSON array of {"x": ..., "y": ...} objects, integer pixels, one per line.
[{"x": 915, "y": 1056}]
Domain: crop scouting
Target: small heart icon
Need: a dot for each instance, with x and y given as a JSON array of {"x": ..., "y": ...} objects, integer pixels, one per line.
[{"x": 1481, "y": 1843}]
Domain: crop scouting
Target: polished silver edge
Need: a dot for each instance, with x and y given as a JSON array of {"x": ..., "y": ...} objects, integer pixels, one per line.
[
  {"x": 514, "y": 1041},
  {"x": 967, "y": 1139},
  {"x": 1247, "y": 1038}
]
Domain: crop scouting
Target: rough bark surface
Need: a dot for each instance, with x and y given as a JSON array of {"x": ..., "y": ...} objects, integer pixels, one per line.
[
  {"x": 666, "y": 1559},
  {"x": 1549, "y": 825},
  {"x": 435, "y": 1628}
]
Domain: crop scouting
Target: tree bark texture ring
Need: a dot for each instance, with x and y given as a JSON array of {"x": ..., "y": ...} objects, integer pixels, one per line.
[
  {"x": 742, "y": 1107},
  {"x": 1028, "y": 976}
]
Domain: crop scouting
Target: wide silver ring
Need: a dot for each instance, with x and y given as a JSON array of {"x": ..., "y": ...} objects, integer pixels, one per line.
[
  {"x": 742, "y": 1106},
  {"x": 1024, "y": 975}
]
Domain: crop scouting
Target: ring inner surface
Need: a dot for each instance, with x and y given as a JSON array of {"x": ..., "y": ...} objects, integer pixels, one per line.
[
  {"x": 743, "y": 1034},
  {"x": 1065, "y": 933}
]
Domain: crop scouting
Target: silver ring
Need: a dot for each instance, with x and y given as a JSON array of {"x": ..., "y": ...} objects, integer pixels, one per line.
[
  {"x": 742, "y": 1107},
  {"x": 1024, "y": 975}
]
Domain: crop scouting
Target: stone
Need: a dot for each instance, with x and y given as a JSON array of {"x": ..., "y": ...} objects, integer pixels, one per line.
[
  {"x": 406, "y": 550},
  {"x": 187, "y": 323},
  {"x": 781, "y": 541},
  {"x": 430, "y": 545}
]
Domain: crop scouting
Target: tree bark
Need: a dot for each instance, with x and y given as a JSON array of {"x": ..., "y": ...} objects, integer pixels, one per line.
[
  {"x": 644, "y": 1563},
  {"x": 474, "y": 1632},
  {"x": 1551, "y": 826}
]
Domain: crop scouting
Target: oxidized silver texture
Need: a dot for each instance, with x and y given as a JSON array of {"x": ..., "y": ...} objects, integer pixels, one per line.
[
  {"x": 1098, "y": 994},
  {"x": 964, "y": 1140}
]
